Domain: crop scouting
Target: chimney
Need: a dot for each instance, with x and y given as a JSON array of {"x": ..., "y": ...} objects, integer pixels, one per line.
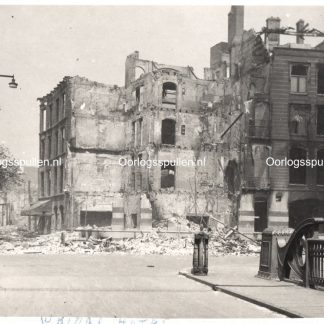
[
  {"x": 235, "y": 23},
  {"x": 273, "y": 39},
  {"x": 299, "y": 28}
]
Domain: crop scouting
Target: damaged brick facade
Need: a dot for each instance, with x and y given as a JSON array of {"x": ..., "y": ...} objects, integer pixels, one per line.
[{"x": 280, "y": 89}]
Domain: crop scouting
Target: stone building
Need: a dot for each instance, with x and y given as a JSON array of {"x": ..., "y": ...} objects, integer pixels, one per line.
[
  {"x": 281, "y": 93},
  {"x": 100, "y": 141}
]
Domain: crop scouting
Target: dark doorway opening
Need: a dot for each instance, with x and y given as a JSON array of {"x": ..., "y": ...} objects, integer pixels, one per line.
[{"x": 261, "y": 214}]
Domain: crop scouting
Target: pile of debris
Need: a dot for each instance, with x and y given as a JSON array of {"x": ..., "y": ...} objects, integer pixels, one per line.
[{"x": 157, "y": 241}]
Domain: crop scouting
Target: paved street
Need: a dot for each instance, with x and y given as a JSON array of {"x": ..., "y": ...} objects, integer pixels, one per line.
[{"x": 112, "y": 286}]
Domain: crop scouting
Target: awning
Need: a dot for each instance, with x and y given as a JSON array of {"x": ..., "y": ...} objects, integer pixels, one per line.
[
  {"x": 41, "y": 208},
  {"x": 98, "y": 208}
]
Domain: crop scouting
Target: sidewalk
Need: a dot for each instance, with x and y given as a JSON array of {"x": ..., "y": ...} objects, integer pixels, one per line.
[{"x": 236, "y": 275}]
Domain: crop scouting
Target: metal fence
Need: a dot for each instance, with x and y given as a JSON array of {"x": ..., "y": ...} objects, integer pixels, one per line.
[{"x": 314, "y": 262}]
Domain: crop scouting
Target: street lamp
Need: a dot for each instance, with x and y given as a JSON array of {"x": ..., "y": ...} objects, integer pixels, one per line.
[{"x": 13, "y": 83}]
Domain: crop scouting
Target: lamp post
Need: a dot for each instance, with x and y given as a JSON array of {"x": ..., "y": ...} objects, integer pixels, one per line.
[{"x": 13, "y": 83}]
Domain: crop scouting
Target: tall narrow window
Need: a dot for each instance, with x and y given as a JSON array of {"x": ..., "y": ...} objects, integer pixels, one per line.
[
  {"x": 168, "y": 131},
  {"x": 299, "y": 119},
  {"x": 62, "y": 140},
  {"x": 55, "y": 180},
  {"x": 63, "y": 104},
  {"x": 42, "y": 149},
  {"x": 320, "y": 120},
  {"x": 57, "y": 110},
  {"x": 49, "y": 183},
  {"x": 56, "y": 143},
  {"x": 297, "y": 175},
  {"x": 49, "y": 147},
  {"x": 61, "y": 177},
  {"x": 320, "y": 168},
  {"x": 167, "y": 176},
  {"x": 42, "y": 180},
  {"x": 50, "y": 116},
  {"x": 140, "y": 132},
  {"x": 43, "y": 119},
  {"x": 298, "y": 78},
  {"x": 320, "y": 79}
]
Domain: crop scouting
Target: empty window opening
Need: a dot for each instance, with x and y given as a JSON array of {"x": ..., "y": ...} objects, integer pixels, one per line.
[
  {"x": 320, "y": 120},
  {"x": 49, "y": 147},
  {"x": 56, "y": 217},
  {"x": 42, "y": 179},
  {"x": 297, "y": 175},
  {"x": 61, "y": 177},
  {"x": 320, "y": 79},
  {"x": 139, "y": 132},
  {"x": 49, "y": 182},
  {"x": 169, "y": 93},
  {"x": 298, "y": 76},
  {"x": 62, "y": 140},
  {"x": 183, "y": 130},
  {"x": 167, "y": 176},
  {"x": 43, "y": 120},
  {"x": 63, "y": 104},
  {"x": 299, "y": 118},
  {"x": 168, "y": 131},
  {"x": 134, "y": 220},
  {"x": 134, "y": 133},
  {"x": 56, "y": 143},
  {"x": 57, "y": 110},
  {"x": 55, "y": 180},
  {"x": 62, "y": 216},
  {"x": 50, "y": 116},
  {"x": 320, "y": 168},
  {"x": 98, "y": 218}
]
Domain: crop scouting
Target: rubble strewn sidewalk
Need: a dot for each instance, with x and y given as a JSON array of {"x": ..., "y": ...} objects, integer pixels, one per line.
[{"x": 19, "y": 241}]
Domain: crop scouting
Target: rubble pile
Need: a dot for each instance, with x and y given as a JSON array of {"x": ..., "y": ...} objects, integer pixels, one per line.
[{"x": 157, "y": 241}]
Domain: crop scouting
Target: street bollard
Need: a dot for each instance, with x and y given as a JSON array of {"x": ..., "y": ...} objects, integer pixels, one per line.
[{"x": 200, "y": 254}]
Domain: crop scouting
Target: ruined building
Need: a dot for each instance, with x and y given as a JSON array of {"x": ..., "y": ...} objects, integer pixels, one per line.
[
  {"x": 258, "y": 99},
  {"x": 97, "y": 138},
  {"x": 281, "y": 92}
]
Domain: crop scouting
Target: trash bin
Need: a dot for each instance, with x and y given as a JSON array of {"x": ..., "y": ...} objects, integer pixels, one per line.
[{"x": 200, "y": 254}]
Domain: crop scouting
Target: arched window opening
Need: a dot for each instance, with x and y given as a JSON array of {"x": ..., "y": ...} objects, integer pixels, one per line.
[{"x": 169, "y": 93}]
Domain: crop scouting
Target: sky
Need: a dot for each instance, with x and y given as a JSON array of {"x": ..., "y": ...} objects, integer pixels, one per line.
[{"x": 42, "y": 44}]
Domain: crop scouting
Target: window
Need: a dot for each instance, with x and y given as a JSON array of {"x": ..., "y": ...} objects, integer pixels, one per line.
[
  {"x": 56, "y": 143},
  {"x": 168, "y": 131},
  {"x": 140, "y": 132},
  {"x": 134, "y": 133},
  {"x": 49, "y": 147},
  {"x": 57, "y": 111},
  {"x": 43, "y": 119},
  {"x": 133, "y": 180},
  {"x": 63, "y": 104},
  {"x": 297, "y": 175},
  {"x": 167, "y": 175},
  {"x": 298, "y": 77},
  {"x": 62, "y": 140},
  {"x": 42, "y": 149},
  {"x": 49, "y": 182},
  {"x": 299, "y": 118},
  {"x": 320, "y": 120},
  {"x": 55, "y": 180},
  {"x": 169, "y": 93},
  {"x": 320, "y": 167},
  {"x": 50, "y": 116},
  {"x": 61, "y": 177},
  {"x": 320, "y": 79},
  {"x": 134, "y": 220},
  {"x": 183, "y": 130},
  {"x": 42, "y": 179}
]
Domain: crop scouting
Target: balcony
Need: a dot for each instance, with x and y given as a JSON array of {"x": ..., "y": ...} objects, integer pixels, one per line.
[
  {"x": 258, "y": 129},
  {"x": 256, "y": 183}
]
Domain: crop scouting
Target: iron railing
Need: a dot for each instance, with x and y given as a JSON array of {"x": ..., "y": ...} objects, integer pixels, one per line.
[{"x": 314, "y": 262}]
